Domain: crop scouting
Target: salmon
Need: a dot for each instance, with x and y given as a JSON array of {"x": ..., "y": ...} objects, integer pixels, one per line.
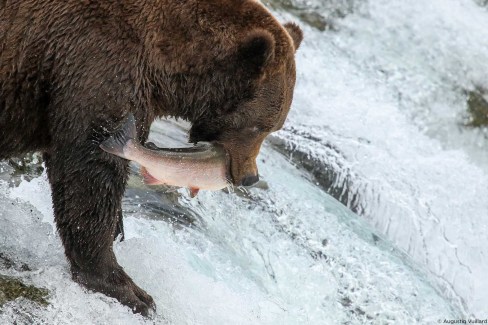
[{"x": 204, "y": 166}]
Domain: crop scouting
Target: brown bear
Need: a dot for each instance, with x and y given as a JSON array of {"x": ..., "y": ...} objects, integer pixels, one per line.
[{"x": 72, "y": 70}]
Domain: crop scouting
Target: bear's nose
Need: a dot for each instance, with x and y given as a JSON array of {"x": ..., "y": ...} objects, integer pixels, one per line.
[{"x": 250, "y": 180}]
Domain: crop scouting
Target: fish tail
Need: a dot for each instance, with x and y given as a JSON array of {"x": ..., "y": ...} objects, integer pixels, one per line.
[{"x": 116, "y": 142}]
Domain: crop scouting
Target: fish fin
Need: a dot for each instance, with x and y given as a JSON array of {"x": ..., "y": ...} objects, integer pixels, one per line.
[
  {"x": 193, "y": 191},
  {"x": 148, "y": 178},
  {"x": 116, "y": 142}
]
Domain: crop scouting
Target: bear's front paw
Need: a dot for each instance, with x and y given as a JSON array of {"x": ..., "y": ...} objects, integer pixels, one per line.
[{"x": 117, "y": 284}]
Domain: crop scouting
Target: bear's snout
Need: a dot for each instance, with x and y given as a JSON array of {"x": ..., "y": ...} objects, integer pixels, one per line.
[
  {"x": 242, "y": 153},
  {"x": 250, "y": 180}
]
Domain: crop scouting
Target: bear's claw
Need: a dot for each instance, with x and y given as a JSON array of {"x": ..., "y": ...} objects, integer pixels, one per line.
[{"x": 117, "y": 284}]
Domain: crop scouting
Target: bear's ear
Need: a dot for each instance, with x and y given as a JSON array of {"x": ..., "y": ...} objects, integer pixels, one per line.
[
  {"x": 256, "y": 50},
  {"x": 295, "y": 33}
]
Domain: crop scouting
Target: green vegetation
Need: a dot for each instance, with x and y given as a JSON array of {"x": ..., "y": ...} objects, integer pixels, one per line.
[
  {"x": 12, "y": 288},
  {"x": 477, "y": 107}
]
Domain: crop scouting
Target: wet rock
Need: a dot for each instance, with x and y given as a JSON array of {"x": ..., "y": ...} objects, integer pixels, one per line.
[
  {"x": 346, "y": 302},
  {"x": 306, "y": 15},
  {"x": 28, "y": 165},
  {"x": 317, "y": 255},
  {"x": 7, "y": 262},
  {"x": 376, "y": 238},
  {"x": 477, "y": 103},
  {"x": 321, "y": 15},
  {"x": 12, "y": 288},
  {"x": 316, "y": 20},
  {"x": 483, "y": 3},
  {"x": 335, "y": 181}
]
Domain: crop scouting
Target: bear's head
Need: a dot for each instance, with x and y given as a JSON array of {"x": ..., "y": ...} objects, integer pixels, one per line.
[
  {"x": 233, "y": 76},
  {"x": 242, "y": 128}
]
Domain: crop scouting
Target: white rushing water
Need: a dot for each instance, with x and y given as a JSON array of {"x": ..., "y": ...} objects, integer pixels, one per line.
[
  {"x": 387, "y": 91},
  {"x": 379, "y": 100},
  {"x": 288, "y": 255}
]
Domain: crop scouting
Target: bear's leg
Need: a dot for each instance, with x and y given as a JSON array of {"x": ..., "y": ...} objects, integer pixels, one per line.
[
  {"x": 87, "y": 188},
  {"x": 13, "y": 143},
  {"x": 119, "y": 228}
]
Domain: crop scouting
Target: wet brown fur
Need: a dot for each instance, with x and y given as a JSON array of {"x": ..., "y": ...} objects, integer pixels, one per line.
[{"x": 71, "y": 71}]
